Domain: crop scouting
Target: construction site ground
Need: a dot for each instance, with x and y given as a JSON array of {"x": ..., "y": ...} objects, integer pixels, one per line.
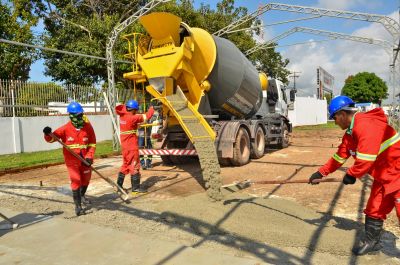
[{"x": 175, "y": 222}]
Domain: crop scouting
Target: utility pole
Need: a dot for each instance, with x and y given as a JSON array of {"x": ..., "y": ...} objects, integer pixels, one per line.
[{"x": 294, "y": 76}]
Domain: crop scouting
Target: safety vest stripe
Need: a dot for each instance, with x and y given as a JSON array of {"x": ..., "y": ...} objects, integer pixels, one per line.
[
  {"x": 366, "y": 157},
  {"x": 92, "y": 145},
  {"x": 80, "y": 146},
  {"x": 339, "y": 159},
  {"x": 129, "y": 132},
  {"x": 385, "y": 145},
  {"x": 391, "y": 141}
]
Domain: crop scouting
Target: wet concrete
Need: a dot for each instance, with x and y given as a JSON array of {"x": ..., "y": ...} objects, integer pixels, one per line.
[
  {"x": 276, "y": 224},
  {"x": 292, "y": 234},
  {"x": 58, "y": 241},
  {"x": 204, "y": 145}
]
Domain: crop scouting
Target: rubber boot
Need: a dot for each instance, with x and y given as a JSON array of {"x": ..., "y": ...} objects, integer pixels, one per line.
[
  {"x": 143, "y": 164},
  {"x": 76, "y": 194},
  {"x": 371, "y": 241},
  {"x": 135, "y": 179},
  {"x": 148, "y": 163},
  {"x": 120, "y": 179},
  {"x": 84, "y": 199}
]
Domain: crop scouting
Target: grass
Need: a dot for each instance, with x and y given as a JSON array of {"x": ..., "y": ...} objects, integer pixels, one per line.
[
  {"x": 46, "y": 157},
  {"x": 328, "y": 125}
]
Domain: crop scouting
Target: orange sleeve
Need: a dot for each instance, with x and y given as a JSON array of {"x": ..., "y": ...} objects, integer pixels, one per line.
[
  {"x": 60, "y": 133},
  {"x": 338, "y": 159},
  {"x": 150, "y": 113},
  {"x": 91, "y": 149},
  {"x": 369, "y": 137}
]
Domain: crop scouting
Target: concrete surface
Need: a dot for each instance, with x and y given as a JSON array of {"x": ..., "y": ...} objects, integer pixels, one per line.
[
  {"x": 276, "y": 224},
  {"x": 51, "y": 240}
]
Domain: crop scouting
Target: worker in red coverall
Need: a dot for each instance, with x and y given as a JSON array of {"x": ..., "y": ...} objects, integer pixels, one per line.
[
  {"x": 375, "y": 146},
  {"x": 129, "y": 122},
  {"x": 79, "y": 136}
]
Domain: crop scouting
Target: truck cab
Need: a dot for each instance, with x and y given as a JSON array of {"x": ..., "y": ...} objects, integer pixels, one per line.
[{"x": 274, "y": 100}]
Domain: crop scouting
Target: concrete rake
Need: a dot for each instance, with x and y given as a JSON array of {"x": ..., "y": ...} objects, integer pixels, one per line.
[
  {"x": 10, "y": 225},
  {"x": 122, "y": 194},
  {"x": 236, "y": 186}
]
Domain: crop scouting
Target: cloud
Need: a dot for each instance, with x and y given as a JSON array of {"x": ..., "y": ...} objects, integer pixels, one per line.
[
  {"x": 347, "y": 4},
  {"x": 341, "y": 59}
]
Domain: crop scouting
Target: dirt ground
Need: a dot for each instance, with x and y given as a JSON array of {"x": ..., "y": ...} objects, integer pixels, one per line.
[{"x": 277, "y": 224}]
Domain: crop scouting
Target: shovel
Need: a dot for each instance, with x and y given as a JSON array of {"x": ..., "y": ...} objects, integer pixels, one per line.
[
  {"x": 236, "y": 186},
  {"x": 122, "y": 194}
]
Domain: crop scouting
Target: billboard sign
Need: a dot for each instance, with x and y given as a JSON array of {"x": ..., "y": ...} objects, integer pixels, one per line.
[{"x": 325, "y": 83}]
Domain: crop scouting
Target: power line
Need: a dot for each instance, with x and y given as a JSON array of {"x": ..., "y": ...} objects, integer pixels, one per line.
[
  {"x": 59, "y": 51},
  {"x": 294, "y": 75}
]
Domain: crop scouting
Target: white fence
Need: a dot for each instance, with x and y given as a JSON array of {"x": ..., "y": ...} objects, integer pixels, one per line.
[
  {"x": 309, "y": 111},
  {"x": 24, "y": 134}
]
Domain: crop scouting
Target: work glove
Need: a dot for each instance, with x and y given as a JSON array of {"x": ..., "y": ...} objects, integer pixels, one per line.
[
  {"x": 314, "y": 176},
  {"x": 47, "y": 130},
  {"x": 89, "y": 161},
  {"x": 347, "y": 179}
]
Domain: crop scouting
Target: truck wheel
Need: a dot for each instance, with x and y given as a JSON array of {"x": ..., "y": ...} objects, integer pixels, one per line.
[
  {"x": 284, "y": 142},
  {"x": 241, "y": 150},
  {"x": 258, "y": 146},
  {"x": 226, "y": 162}
]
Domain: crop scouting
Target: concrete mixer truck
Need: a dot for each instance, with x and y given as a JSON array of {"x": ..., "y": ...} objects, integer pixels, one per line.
[{"x": 212, "y": 96}]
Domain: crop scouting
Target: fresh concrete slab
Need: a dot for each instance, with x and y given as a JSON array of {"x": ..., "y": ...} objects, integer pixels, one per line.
[{"x": 52, "y": 240}]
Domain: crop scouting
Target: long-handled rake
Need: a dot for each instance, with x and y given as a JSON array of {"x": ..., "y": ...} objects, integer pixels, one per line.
[
  {"x": 123, "y": 195},
  {"x": 236, "y": 186},
  {"x": 11, "y": 225}
]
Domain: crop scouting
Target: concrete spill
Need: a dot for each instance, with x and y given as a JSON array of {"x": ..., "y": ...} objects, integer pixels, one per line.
[{"x": 205, "y": 148}]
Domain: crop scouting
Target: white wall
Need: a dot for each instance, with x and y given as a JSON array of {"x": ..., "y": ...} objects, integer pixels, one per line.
[
  {"x": 25, "y": 134},
  {"x": 7, "y": 135},
  {"x": 308, "y": 111}
]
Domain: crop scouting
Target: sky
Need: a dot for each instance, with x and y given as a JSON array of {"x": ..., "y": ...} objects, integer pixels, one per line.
[{"x": 340, "y": 58}]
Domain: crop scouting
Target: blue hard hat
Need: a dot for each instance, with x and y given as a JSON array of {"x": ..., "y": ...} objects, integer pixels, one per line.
[
  {"x": 132, "y": 104},
  {"x": 74, "y": 108},
  {"x": 339, "y": 103}
]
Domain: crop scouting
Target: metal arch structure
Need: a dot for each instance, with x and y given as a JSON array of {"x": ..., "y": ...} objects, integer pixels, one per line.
[
  {"x": 112, "y": 92},
  {"x": 391, "y": 25},
  {"x": 330, "y": 34},
  {"x": 334, "y": 35}
]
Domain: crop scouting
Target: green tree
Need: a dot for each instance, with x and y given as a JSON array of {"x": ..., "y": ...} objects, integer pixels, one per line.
[
  {"x": 365, "y": 87},
  {"x": 272, "y": 63},
  {"x": 328, "y": 97},
  {"x": 16, "y": 20},
  {"x": 84, "y": 26}
]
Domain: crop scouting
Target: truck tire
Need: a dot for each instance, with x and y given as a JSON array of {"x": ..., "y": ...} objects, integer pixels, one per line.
[
  {"x": 226, "y": 162},
  {"x": 284, "y": 142},
  {"x": 241, "y": 149},
  {"x": 258, "y": 146}
]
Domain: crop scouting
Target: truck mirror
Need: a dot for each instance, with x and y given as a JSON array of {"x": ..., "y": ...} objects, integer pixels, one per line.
[{"x": 292, "y": 95}]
